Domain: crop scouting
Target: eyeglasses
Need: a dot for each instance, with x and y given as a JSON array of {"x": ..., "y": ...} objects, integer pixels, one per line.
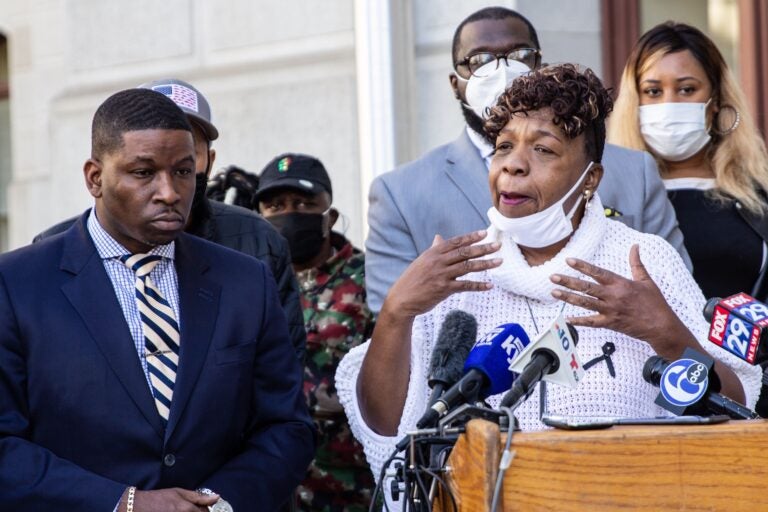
[{"x": 476, "y": 63}]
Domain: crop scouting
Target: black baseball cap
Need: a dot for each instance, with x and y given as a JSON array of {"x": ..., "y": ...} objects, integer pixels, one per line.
[
  {"x": 296, "y": 171},
  {"x": 189, "y": 100}
]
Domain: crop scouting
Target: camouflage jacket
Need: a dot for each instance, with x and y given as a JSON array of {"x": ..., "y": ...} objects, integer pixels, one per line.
[{"x": 337, "y": 319}]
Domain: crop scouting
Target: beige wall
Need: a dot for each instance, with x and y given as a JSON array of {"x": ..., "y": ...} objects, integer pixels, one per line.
[
  {"x": 572, "y": 35},
  {"x": 280, "y": 76}
]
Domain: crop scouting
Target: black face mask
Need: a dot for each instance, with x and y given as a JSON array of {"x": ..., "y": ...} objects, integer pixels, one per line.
[
  {"x": 201, "y": 184},
  {"x": 200, "y": 211},
  {"x": 304, "y": 232}
]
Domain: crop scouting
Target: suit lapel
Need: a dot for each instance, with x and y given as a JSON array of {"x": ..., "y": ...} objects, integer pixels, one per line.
[
  {"x": 466, "y": 169},
  {"x": 91, "y": 293},
  {"x": 199, "y": 306}
]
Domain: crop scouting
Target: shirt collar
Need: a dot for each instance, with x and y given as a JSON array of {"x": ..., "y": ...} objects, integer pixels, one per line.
[
  {"x": 109, "y": 248},
  {"x": 484, "y": 148},
  {"x": 689, "y": 183}
]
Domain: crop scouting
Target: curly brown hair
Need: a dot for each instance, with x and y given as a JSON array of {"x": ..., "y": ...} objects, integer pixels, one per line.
[{"x": 578, "y": 100}]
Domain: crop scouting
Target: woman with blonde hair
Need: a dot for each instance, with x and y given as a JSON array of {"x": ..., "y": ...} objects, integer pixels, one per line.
[{"x": 679, "y": 101}]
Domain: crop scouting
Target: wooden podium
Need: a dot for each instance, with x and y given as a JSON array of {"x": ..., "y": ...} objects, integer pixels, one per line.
[{"x": 684, "y": 467}]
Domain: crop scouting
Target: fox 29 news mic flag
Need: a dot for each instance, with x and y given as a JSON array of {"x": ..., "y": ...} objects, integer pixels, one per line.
[
  {"x": 487, "y": 371},
  {"x": 738, "y": 325},
  {"x": 685, "y": 386},
  {"x": 552, "y": 357}
]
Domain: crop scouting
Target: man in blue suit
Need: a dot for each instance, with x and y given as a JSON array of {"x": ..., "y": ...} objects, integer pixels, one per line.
[
  {"x": 446, "y": 191},
  {"x": 138, "y": 371}
]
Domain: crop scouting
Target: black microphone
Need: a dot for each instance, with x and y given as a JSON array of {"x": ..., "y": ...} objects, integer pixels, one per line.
[
  {"x": 487, "y": 371},
  {"x": 456, "y": 337},
  {"x": 689, "y": 386},
  {"x": 552, "y": 353},
  {"x": 761, "y": 407},
  {"x": 739, "y": 324},
  {"x": 454, "y": 340}
]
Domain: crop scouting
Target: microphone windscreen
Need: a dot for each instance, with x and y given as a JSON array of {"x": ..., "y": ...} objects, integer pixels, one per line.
[
  {"x": 493, "y": 354},
  {"x": 709, "y": 308},
  {"x": 574, "y": 333},
  {"x": 761, "y": 407},
  {"x": 454, "y": 340},
  {"x": 653, "y": 369}
]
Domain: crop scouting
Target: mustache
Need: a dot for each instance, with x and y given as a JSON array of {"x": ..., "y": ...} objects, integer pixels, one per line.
[{"x": 170, "y": 214}]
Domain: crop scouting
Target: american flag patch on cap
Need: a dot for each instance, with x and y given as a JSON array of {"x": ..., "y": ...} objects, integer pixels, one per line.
[{"x": 182, "y": 96}]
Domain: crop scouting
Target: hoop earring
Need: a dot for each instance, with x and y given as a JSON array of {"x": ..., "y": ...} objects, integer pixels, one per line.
[{"x": 735, "y": 124}]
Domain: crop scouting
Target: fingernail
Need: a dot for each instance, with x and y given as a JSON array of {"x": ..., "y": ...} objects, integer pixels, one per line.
[
  {"x": 570, "y": 261},
  {"x": 497, "y": 261},
  {"x": 482, "y": 232},
  {"x": 555, "y": 278},
  {"x": 557, "y": 293},
  {"x": 496, "y": 246}
]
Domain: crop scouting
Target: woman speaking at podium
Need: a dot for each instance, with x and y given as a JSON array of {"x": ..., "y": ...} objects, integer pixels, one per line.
[{"x": 549, "y": 250}]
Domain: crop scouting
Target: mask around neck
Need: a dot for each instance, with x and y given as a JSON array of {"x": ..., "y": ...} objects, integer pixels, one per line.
[
  {"x": 540, "y": 229},
  {"x": 483, "y": 92},
  {"x": 675, "y": 131}
]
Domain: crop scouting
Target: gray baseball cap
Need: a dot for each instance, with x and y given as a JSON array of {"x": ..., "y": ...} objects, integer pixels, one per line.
[{"x": 189, "y": 99}]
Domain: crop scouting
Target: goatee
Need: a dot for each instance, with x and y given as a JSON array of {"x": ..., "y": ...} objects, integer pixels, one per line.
[{"x": 474, "y": 121}]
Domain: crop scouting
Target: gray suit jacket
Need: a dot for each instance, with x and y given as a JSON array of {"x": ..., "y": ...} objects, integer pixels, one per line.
[{"x": 446, "y": 192}]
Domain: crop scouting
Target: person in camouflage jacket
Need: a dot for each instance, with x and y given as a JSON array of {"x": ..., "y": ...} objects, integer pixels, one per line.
[{"x": 295, "y": 195}]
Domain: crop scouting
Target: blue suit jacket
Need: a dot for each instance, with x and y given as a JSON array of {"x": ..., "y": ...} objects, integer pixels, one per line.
[
  {"x": 446, "y": 192},
  {"x": 77, "y": 419}
]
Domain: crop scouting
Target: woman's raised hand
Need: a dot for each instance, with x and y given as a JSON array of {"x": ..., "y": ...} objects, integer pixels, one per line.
[
  {"x": 433, "y": 275},
  {"x": 635, "y": 307}
]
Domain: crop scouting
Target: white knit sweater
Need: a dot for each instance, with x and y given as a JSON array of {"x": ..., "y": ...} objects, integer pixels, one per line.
[{"x": 605, "y": 243}]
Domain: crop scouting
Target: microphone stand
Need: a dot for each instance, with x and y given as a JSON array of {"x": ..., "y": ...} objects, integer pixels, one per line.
[
  {"x": 507, "y": 453},
  {"x": 426, "y": 453}
]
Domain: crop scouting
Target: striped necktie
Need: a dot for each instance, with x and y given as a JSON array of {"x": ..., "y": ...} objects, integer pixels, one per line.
[{"x": 161, "y": 331}]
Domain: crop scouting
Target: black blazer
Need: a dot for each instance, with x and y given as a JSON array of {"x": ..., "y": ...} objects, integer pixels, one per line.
[
  {"x": 247, "y": 232},
  {"x": 77, "y": 419},
  {"x": 759, "y": 224}
]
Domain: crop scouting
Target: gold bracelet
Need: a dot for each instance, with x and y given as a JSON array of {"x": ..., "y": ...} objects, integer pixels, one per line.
[{"x": 131, "y": 496}]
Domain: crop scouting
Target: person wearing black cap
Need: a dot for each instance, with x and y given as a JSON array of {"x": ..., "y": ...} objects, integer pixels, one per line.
[
  {"x": 295, "y": 195},
  {"x": 231, "y": 226}
]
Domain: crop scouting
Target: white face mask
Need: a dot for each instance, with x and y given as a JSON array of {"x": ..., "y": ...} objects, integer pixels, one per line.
[
  {"x": 482, "y": 92},
  {"x": 543, "y": 228},
  {"x": 675, "y": 131}
]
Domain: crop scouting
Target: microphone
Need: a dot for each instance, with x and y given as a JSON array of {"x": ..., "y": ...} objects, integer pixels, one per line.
[
  {"x": 551, "y": 357},
  {"x": 738, "y": 325},
  {"x": 689, "y": 386},
  {"x": 761, "y": 407},
  {"x": 487, "y": 371},
  {"x": 455, "y": 339}
]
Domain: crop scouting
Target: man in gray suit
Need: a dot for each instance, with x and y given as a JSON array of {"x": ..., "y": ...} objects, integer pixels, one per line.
[{"x": 446, "y": 191}]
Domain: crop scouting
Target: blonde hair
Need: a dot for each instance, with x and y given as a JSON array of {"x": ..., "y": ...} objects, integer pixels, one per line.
[{"x": 738, "y": 157}]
